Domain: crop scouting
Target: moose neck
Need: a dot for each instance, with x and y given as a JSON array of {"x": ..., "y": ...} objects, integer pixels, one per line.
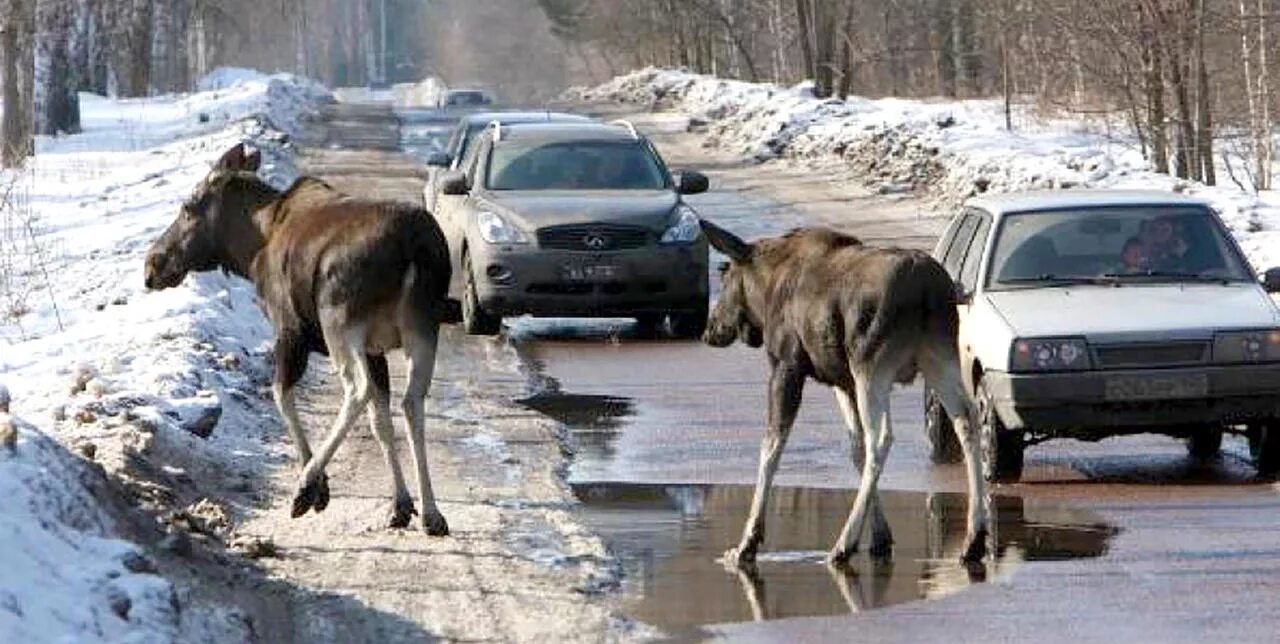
[{"x": 243, "y": 233}]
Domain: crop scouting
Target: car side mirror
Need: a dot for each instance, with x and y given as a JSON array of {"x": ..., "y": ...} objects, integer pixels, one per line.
[
  {"x": 439, "y": 159},
  {"x": 1271, "y": 280},
  {"x": 454, "y": 182},
  {"x": 690, "y": 182}
]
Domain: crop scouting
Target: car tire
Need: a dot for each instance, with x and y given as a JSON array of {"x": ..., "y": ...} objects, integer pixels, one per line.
[
  {"x": 1264, "y": 448},
  {"x": 944, "y": 446},
  {"x": 1205, "y": 442},
  {"x": 1002, "y": 448},
  {"x": 690, "y": 325},
  {"x": 476, "y": 320}
]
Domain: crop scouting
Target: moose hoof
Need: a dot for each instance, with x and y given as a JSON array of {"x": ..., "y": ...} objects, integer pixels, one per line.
[
  {"x": 740, "y": 558},
  {"x": 881, "y": 550},
  {"x": 309, "y": 496},
  {"x": 976, "y": 551},
  {"x": 322, "y": 493},
  {"x": 434, "y": 524},
  {"x": 402, "y": 513},
  {"x": 839, "y": 557}
]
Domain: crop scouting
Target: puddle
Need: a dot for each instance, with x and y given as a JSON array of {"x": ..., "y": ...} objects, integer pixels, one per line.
[{"x": 670, "y": 538}]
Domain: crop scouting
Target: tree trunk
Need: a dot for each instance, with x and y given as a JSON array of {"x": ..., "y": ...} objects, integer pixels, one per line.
[
  {"x": 57, "y": 108},
  {"x": 1204, "y": 117},
  {"x": 806, "y": 38},
  {"x": 943, "y": 20},
  {"x": 1154, "y": 66},
  {"x": 1266, "y": 154},
  {"x": 13, "y": 145}
]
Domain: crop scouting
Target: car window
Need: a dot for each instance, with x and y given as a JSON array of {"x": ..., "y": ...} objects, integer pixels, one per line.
[
  {"x": 468, "y": 134},
  {"x": 1152, "y": 242},
  {"x": 471, "y": 162},
  {"x": 959, "y": 244},
  {"x": 973, "y": 255},
  {"x": 574, "y": 165}
]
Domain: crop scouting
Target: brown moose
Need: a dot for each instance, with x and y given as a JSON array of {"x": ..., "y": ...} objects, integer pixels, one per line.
[{"x": 349, "y": 278}]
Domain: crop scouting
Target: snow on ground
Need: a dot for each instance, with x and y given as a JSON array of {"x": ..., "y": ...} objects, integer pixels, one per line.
[
  {"x": 954, "y": 149},
  {"x": 97, "y": 364}
]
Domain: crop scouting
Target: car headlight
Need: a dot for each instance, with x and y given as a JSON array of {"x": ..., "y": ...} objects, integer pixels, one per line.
[
  {"x": 686, "y": 228},
  {"x": 1050, "y": 354},
  {"x": 496, "y": 230},
  {"x": 1262, "y": 345}
]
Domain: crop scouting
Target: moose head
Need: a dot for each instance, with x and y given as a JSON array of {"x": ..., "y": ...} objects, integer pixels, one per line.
[
  {"x": 214, "y": 227},
  {"x": 733, "y": 317}
]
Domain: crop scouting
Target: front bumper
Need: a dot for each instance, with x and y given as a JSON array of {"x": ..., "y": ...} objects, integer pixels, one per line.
[
  {"x": 525, "y": 279},
  {"x": 1083, "y": 405}
]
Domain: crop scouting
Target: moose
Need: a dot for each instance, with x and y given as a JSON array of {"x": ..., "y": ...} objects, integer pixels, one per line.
[
  {"x": 859, "y": 319},
  {"x": 344, "y": 277}
]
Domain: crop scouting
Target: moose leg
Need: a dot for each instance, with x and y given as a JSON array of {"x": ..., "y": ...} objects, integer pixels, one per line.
[
  {"x": 873, "y": 406},
  {"x": 346, "y": 347},
  {"x": 785, "y": 388},
  {"x": 881, "y": 536},
  {"x": 943, "y": 376},
  {"x": 380, "y": 422},
  {"x": 420, "y": 349},
  {"x": 291, "y": 363}
]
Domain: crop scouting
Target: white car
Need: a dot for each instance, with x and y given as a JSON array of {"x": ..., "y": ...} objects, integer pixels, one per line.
[{"x": 1089, "y": 314}]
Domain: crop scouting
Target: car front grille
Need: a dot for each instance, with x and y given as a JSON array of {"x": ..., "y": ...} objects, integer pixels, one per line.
[
  {"x": 1157, "y": 354},
  {"x": 594, "y": 238}
]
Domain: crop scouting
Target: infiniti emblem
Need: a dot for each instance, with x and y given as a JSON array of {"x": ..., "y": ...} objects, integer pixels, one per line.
[{"x": 595, "y": 241}]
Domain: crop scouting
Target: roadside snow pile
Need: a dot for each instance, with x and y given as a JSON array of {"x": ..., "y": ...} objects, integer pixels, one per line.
[
  {"x": 64, "y": 578},
  {"x": 952, "y": 149},
  {"x": 159, "y": 388}
]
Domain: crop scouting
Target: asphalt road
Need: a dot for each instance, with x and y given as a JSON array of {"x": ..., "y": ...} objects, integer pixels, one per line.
[{"x": 1176, "y": 550}]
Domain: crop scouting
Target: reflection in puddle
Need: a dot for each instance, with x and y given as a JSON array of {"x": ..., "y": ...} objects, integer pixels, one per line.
[
  {"x": 593, "y": 421},
  {"x": 670, "y": 538},
  {"x": 582, "y": 411}
]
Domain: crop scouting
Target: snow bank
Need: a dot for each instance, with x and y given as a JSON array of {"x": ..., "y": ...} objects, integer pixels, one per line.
[
  {"x": 952, "y": 149},
  {"x": 118, "y": 374}
]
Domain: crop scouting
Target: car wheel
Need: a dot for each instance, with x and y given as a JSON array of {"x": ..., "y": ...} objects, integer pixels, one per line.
[
  {"x": 475, "y": 320},
  {"x": 1205, "y": 442},
  {"x": 944, "y": 447},
  {"x": 690, "y": 325},
  {"x": 1002, "y": 448},
  {"x": 1264, "y": 447}
]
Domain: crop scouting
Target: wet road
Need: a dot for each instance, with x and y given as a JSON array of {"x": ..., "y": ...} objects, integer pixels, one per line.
[{"x": 1195, "y": 554}]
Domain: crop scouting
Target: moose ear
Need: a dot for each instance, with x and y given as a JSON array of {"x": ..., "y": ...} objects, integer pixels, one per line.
[
  {"x": 253, "y": 160},
  {"x": 237, "y": 159},
  {"x": 726, "y": 242}
]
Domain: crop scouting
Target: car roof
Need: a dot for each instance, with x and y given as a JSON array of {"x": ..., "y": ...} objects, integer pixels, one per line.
[
  {"x": 575, "y": 131},
  {"x": 1041, "y": 200},
  {"x": 522, "y": 116}
]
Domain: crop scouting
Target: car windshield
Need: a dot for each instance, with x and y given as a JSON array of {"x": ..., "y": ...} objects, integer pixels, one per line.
[
  {"x": 466, "y": 98},
  {"x": 1113, "y": 244},
  {"x": 578, "y": 165}
]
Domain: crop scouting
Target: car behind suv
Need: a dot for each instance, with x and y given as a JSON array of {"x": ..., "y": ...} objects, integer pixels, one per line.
[
  {"x": 574, "y": 220},
  {"x": 1090, "y": 314}
]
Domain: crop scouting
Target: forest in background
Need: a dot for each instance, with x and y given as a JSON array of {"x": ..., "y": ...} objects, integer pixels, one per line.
[{"x": 1190, "y": 77}]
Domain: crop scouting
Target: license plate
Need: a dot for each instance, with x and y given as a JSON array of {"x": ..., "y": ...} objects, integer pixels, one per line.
[
  {"x": 1156, "y": 387},
  {"x": 590, "y": 272}
]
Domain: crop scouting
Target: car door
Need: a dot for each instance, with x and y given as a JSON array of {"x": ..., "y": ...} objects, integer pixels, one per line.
[{"x": 969, "y": 246}]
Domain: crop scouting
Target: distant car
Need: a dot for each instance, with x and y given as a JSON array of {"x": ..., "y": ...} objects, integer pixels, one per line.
[
  {"x": 1090, "y": 314},
  {"x": 574, "y": 220},
  {"x": 465, "y": 98},
  {"x": 464, "y": 132}
]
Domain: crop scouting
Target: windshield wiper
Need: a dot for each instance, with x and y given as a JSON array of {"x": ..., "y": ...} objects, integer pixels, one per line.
[
  {"x": 1172, "y": 275},
  {"x": 1060, "y": 280}
]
